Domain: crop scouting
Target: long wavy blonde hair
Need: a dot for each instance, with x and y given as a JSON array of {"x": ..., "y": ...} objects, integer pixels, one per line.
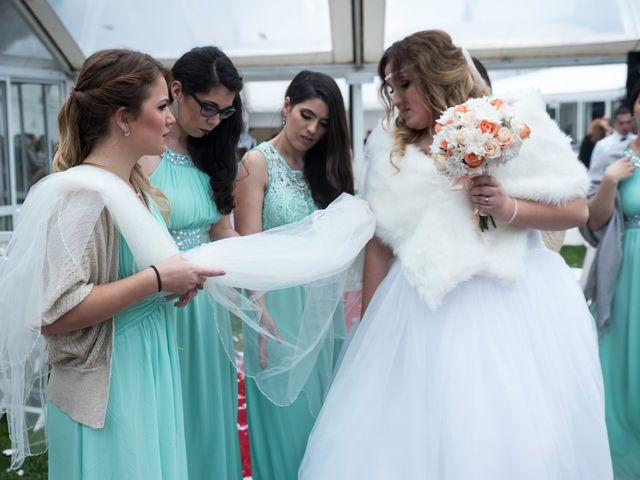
[
  {"x": 108, "y": 80},
  {"x": 443, "y": 77}
]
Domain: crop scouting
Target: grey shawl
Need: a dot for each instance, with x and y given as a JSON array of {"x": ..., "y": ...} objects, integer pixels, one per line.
[{"x": 603, "y": 275}]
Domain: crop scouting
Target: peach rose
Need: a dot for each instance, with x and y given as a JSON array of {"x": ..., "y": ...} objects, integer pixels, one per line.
[
  {"x": 504, "y": 136},
  {"x": 488, "y": 127},
  {"x": 497, "y": 102},
  {"x": 438, "y": 128},
  {"x": 525, "y": 131},
  {"x": 461, "y": 109},
  {"x": 444, "y": 145},
  {"x": 492, "y": 149},
  {"x": 473, "y": 160}
]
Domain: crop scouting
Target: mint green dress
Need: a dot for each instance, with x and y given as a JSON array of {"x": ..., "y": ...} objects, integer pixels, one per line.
[
  {"x": 209, "y": 381},
  {"x": 620, "y": 343},
  {"x": 278, "y": 435},
  {"x": 143, "y": 435}
]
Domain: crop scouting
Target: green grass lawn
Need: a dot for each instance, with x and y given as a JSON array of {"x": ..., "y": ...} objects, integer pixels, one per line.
[
  {"x": 34, "y": 468},
  {"x": 573, "y": 255}
]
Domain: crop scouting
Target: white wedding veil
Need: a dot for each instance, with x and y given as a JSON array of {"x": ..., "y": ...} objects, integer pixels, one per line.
[{"x": 315, "y": 253}]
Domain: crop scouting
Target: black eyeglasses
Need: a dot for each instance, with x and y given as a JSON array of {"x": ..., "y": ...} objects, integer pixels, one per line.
[{"x": 209, "y": 110}]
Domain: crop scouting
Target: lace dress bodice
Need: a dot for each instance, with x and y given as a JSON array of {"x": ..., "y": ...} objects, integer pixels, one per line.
[{"x": 287, "y": 198}]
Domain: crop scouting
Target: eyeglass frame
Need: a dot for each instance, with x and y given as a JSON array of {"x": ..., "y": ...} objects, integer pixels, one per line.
[{"x": 223, "y": 112}]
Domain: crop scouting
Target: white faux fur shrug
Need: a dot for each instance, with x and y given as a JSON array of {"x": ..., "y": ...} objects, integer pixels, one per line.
[{"x": 431, "y": 228}]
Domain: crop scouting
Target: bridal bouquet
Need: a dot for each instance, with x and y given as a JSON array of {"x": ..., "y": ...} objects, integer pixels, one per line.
[{"x": 475, "y": 137}]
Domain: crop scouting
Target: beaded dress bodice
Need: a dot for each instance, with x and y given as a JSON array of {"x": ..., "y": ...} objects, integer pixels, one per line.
[
  {"x": 630, "y": 192},
  {"x": 193, "y": 210},
  {"x": 287, "y": 198}
]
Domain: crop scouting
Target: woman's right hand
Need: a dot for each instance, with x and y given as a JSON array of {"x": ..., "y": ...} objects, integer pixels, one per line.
[
  {"x": 619, "y": 170},
  {"x": 603, "y": 203},
  {"x": 180, "y": 276}
]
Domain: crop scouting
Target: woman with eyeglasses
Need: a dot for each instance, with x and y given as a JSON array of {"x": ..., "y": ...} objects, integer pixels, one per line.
[
  {"x": 304, "y": 168},
  {"x": 197, "y": 172}
]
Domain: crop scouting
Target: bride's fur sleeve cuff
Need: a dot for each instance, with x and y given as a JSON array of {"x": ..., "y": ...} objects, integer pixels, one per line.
[{"x": 547, "y": 169}]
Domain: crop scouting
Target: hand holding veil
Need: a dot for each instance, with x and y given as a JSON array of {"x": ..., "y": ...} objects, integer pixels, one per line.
[{"x": 315, "y": 253}]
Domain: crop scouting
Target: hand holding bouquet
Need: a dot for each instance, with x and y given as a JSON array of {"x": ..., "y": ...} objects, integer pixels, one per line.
[{"x": 475, "y": 137}]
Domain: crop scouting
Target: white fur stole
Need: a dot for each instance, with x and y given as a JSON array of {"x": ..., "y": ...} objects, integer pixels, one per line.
[{"x": 431, "y": 228}]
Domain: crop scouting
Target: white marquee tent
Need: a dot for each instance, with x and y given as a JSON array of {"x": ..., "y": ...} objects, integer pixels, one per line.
[
  {"x": 44, "y": 42},
  {"x": 263, "y": 35}
]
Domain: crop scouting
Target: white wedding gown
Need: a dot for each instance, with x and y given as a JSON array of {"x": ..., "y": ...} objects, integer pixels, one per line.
[{"x": 499, "y": 383}]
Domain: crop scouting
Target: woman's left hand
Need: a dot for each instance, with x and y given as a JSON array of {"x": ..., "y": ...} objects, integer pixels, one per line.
[
  {"x": 488, "y": 196},
  {"x": 187, "y": 297},
  {"x": 266, "y": 322}
]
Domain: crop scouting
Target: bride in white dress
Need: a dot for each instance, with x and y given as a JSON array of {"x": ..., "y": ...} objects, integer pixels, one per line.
[{"x": 476, "y": 357}]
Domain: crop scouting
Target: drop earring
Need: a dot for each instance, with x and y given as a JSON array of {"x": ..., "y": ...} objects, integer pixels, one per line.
[{"x": 175, "y": 106}]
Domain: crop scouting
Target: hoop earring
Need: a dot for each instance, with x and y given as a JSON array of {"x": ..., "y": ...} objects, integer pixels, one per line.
[{"x": 127, "y": 132}]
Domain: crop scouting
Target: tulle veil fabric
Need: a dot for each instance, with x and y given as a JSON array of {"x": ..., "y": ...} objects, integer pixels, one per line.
[{"x": 316, "y": 252}]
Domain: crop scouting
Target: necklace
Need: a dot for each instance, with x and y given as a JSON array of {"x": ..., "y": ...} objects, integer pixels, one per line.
[
  {"x": 633, "y": 156},
  {"x": 177, "y": 158}
]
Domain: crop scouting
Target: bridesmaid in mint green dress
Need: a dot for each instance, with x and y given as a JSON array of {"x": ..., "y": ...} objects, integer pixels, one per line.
[
  {"x": 200, "y": 161},
  {"x": 137, "y": 431},
  {"x": 305, "y": 167},
  {"x": 620, "y": 338},
  {"x": 144, "y": 405},
  {"x": 620, "y": 343}
]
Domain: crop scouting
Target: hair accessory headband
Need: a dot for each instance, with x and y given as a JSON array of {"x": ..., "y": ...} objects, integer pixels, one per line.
[{"x": 390, "y": 76}]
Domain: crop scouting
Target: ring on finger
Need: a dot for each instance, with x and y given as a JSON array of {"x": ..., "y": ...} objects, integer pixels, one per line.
[{"x": 486, "y": 200}]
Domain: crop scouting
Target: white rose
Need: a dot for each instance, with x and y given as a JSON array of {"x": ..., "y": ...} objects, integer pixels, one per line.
[
  {"x": 492, "y": 149},
  {"x": 504, "y": 136}
]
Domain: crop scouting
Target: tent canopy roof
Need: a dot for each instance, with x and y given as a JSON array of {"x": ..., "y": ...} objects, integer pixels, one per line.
[{"x": 268, "y": 39}]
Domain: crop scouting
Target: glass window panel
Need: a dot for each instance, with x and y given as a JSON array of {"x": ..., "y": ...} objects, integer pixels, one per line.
[
  {"x": 593, "y": 110},
  {"x": 30, "y": 140},
  {"x": 568, "y": 118},
  {"x": 6, "y": 225},
  {"x": 5, "y": 167},
  {"x": 240, "y": 28},
  {"x": 53, "y": 99},
  {"x": 498, "y": 24},
  {"x": 18, "y": 44}
]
